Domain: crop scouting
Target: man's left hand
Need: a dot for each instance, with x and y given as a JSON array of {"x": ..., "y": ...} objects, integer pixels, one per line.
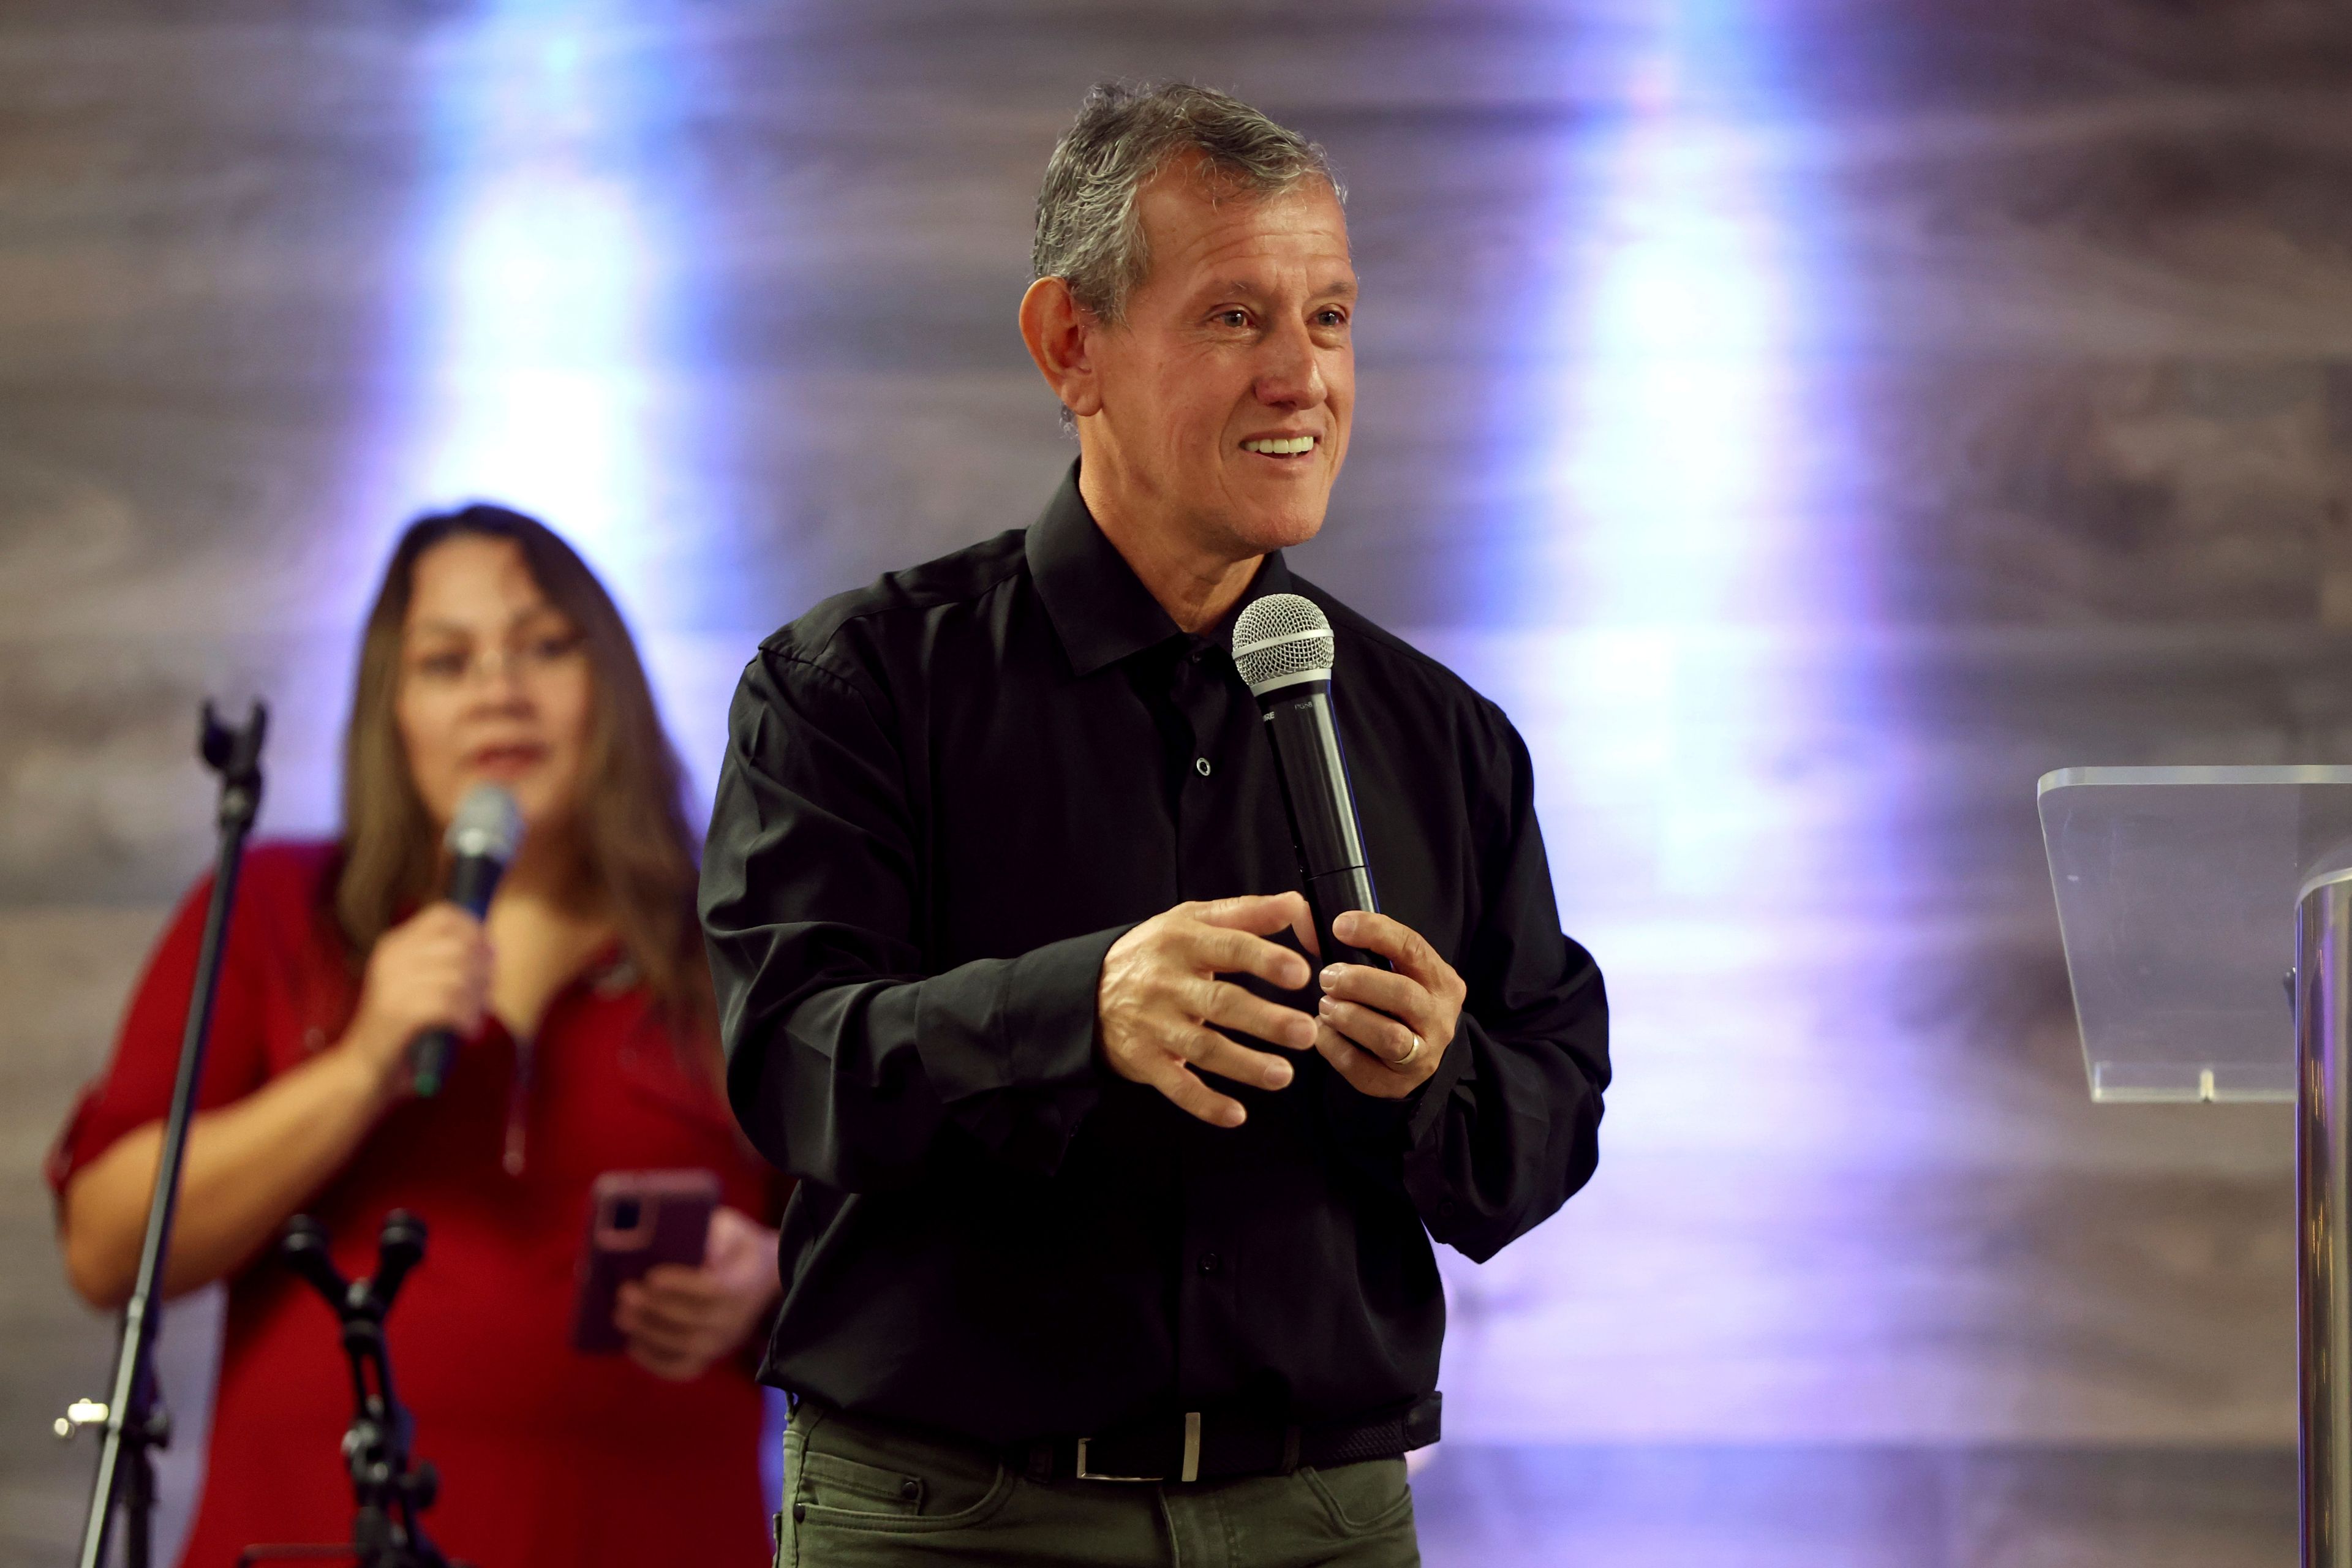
[{"x": 1385, "y": 1032}]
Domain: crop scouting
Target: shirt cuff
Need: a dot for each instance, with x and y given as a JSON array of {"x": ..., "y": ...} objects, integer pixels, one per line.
[
  {"x": 1051, "y": 1008},
  {"x": 1390, "y": 1129},
  {"x": 1008, "y": 1046},
  {"x": 1428, "y": 1101}
]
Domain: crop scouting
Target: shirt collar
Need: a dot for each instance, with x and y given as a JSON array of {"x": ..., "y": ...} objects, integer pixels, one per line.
[{"x": 1100, "y": 609}]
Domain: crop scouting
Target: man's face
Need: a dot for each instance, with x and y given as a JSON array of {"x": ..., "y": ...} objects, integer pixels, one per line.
[{"x": 1227, "y": 391}]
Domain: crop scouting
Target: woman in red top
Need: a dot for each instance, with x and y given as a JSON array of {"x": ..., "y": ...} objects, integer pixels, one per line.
[{"x": 492, "y": 654}]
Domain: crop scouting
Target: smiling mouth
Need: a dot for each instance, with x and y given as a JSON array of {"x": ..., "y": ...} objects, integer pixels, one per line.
[{"x": 1283, "y": 447}]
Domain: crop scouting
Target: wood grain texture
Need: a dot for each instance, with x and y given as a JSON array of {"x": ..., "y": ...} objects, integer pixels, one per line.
[{"x": 1810, "y": 422}]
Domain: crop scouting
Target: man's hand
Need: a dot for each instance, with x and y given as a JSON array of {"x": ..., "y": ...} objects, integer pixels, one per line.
[
  {"x": 1160, "y": 992},
  {"x": 1386, "y": 1032}
]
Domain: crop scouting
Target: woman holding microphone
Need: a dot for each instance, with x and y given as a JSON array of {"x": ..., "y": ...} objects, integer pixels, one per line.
[{"x": 492, "y": 655}]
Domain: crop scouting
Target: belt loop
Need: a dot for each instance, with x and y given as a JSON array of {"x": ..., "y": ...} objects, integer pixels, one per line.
[
  {"x": 1192, "y": 1470},
  {"x": 1041, "y": 1461},
  {"x": 1289, "y": 1449}
]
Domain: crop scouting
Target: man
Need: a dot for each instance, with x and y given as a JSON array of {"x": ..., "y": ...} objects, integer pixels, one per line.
[{"x": 1112, "y": 1244}]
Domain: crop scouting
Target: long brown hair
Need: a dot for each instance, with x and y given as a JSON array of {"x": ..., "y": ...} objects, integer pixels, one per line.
[{"x": 630, "y": 816}]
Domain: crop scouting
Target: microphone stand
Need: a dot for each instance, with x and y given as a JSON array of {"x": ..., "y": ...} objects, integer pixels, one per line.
[
  {"x": 135, "y": 1420},
  {"x": 389, "y": 1486}
]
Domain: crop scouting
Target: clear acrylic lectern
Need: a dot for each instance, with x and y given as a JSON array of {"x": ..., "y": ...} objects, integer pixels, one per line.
[{"x": 2207, "y": 914}]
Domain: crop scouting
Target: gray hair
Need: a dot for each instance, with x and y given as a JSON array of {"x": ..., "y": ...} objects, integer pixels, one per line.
[{"x": 1088, "y": 232}]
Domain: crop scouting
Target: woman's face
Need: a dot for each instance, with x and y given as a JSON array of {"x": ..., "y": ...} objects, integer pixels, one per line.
[{"x": 494, "y": 683}]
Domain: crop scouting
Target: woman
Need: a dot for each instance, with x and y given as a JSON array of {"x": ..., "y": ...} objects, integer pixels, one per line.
[{"x": 492, "y": 654}]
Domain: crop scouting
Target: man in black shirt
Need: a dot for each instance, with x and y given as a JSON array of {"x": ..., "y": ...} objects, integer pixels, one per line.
[{"x": 1112, "y": 1237}]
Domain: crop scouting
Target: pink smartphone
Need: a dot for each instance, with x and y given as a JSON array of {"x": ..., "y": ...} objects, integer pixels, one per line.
[{"x": 639, "y": 1219}]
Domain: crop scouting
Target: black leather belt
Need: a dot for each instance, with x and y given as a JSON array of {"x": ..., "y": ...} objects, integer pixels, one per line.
[{"x": 1214, "y": 1446}]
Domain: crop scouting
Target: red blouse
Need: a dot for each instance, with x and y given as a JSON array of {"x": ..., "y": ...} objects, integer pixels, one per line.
[{"x": 547, "y": 1456}]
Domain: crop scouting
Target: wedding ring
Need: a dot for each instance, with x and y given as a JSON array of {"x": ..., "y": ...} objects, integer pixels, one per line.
[{"x": 1407, "y": 1058}]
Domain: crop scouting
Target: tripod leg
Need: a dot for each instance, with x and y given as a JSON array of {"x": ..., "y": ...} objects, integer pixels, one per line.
[{"x": 138, "y": 1512}]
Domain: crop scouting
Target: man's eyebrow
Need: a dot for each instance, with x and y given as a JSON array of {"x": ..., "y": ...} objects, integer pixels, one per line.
[
  {"x": 1233, "y": 289},
  {"x": 1242, "y": 288}
]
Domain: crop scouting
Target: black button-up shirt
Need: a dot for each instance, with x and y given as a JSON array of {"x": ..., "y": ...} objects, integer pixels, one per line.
[{"x": 944, "y": 798}]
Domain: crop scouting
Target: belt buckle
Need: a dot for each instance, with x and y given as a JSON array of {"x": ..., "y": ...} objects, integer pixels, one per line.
[
  {"x": 1192, "y": 1466},
  {"x": 1086, "y": 1474}
]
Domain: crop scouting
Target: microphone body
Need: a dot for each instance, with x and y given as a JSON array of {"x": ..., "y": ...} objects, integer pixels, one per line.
[
  {"x": 482, "y": 839},
  {"x": 1324, "y": 827},
  {"x": 1283, "y": 649}
]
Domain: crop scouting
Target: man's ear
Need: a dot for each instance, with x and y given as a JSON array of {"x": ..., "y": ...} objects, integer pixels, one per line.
[{"x": 1059, "y": 332}]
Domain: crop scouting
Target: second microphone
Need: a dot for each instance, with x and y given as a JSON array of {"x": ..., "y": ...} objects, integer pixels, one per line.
[{"x": 481, "y": 841}]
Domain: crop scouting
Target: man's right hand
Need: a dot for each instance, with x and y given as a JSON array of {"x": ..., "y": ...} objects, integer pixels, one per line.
[{"x": 1160, "y": 992}]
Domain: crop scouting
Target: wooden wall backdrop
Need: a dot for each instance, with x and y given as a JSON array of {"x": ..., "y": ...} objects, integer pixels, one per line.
[{"x": 1811, "y": 418}]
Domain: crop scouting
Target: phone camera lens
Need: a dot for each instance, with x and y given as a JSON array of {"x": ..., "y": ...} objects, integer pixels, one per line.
[{"x": 626, "y": 1213}]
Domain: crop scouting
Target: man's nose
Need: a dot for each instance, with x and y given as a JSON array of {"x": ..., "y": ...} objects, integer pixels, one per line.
[{"x": 1290, "y": 375}]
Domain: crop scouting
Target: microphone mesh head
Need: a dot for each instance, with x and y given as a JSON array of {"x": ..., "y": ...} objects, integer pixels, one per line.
[
  {"x": 1282, "y": 639},
  {"x": 488, "y": 823}
]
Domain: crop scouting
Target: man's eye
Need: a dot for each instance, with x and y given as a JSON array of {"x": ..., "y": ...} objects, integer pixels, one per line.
[
  {"x": 1331, "y": 318},
  {"x": 1232, "y": 318}
]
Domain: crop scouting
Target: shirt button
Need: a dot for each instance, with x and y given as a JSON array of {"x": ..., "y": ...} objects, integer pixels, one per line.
[
  {"x": 1209, "y": 1264},
  {"x": 1201, "y": 766},
  {"x": 911, "y": 1490}
]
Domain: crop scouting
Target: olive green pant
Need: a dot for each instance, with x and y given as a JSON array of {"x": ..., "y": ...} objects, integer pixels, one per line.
[{"x": 858, "y": 1496}]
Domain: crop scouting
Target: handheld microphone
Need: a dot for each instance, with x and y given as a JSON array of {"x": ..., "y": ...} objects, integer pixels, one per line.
[
  {"x": 481, "y": 841},
  {"x": 1283, "y": 648}
]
